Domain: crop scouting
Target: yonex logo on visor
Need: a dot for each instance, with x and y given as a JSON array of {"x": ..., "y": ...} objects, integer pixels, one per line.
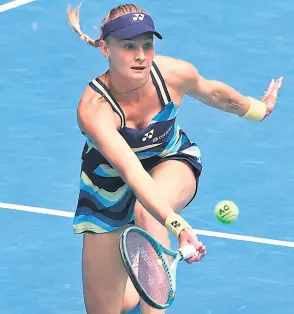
[
  {"x": 138, "y": 17},
  {"x": 129, "y": 25}
]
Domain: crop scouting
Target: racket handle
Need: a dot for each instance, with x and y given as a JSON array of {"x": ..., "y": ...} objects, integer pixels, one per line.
[{"x": 187, "y": 251}]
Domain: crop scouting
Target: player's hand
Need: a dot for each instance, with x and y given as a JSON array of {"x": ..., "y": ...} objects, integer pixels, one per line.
[
  {"x": 187, "y": 236},
  {"x": 271, "y": 94}
]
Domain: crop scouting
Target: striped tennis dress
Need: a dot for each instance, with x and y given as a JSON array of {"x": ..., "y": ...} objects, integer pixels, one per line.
[{"x": 105, "y": 201}]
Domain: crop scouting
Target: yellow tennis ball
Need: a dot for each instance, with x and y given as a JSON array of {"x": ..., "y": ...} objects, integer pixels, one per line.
[{"x": 226, "y": 212}]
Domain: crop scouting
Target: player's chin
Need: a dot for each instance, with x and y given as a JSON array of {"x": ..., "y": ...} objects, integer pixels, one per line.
[{"x": 139, "y": 73}]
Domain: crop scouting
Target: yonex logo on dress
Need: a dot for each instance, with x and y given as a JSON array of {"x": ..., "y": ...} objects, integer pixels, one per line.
[
  {"x": 148, "y": 135},
  {"x": 137, "y": 17}
]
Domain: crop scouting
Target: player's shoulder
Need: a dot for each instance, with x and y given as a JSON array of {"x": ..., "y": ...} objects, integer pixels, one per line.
[
  {"x": 168, "y": 64},
  {"x": 90, "y": 97},
  {"x": 93, "y": 106},
  {"x": 173, "y": 70}
]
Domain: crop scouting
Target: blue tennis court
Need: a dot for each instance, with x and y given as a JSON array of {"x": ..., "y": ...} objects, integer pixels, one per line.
[{"x": 45, "y": 68}]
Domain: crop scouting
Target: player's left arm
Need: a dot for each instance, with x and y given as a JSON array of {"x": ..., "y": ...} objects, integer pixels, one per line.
[{"x": 223, "y": 96}]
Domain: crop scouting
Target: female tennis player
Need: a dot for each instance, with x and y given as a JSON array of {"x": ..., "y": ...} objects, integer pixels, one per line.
[{"x": 138, "y": 165}]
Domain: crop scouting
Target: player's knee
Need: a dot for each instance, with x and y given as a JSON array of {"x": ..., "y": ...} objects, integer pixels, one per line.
[
  {"x": 131, "y": 298},
  {"x": 142, "y": 217},
  {"x": 129, "y": 303}
]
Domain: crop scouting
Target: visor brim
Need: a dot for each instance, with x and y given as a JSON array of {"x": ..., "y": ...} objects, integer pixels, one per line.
[{"x": 134, "y": 30}]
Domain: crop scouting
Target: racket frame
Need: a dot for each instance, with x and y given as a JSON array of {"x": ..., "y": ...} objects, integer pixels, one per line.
[{"x": 161, "y": 251}]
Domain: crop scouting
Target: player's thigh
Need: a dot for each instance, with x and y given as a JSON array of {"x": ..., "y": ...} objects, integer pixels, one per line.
[
  {"x": 176, "y": 181},
  {"x": 104, "y": 276}
]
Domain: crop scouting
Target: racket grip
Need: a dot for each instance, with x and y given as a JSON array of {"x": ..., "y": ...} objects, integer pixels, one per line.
[{"x": 187, "y": 251}]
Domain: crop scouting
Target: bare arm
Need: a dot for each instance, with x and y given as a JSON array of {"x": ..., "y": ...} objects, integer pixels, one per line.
[
  {"x": 221, "y": 95},
  {"x": 211, "y": 92},
  {"x": 97, "y": 120}
]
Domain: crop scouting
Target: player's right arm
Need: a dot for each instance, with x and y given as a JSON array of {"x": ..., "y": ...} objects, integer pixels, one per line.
[{"x": 97, "y": 119}]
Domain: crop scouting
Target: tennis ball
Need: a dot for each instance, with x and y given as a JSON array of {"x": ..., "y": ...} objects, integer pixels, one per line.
[{"x": 226, "y": 212}]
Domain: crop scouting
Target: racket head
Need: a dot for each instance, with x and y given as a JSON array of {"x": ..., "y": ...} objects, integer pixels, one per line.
[{"x": 148, "y": 268}]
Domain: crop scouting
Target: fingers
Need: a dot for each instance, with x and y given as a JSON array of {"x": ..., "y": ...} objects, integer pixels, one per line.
[
  {"x": 273, "y": 88},
  {"x": 279, "y": 83},
  {"x": 188, "y": 237},
  {"x": 201, "y": 252},
  {"x": 271, "y": 85},
  {"x": 268, "y": 90}
]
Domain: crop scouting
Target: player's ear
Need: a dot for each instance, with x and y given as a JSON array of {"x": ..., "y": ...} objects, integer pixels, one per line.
[{"x": 104, "y": 48}]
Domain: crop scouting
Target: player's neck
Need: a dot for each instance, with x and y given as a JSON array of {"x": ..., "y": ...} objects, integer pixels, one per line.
[{"x": 131, "y": 89}]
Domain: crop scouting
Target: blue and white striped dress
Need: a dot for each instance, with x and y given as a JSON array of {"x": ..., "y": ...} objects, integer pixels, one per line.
[{"x": 105, "y": 202}]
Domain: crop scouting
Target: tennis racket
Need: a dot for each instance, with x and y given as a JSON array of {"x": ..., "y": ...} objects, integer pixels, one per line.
[{"x": 152, "y": 267}]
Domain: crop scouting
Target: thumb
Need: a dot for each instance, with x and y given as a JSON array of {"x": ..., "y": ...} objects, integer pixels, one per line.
[
  {"x": 184, "y": 238},
  {"x": 182, "y": 241}
]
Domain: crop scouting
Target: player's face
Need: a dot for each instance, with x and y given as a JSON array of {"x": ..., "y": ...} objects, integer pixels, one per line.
[{"x": 132, "y": 58}]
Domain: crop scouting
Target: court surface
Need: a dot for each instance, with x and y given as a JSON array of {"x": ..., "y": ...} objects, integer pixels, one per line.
[{"x": 44, "y": 69}]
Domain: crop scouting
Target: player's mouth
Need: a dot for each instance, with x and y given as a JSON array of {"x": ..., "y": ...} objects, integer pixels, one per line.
[{"x": 138, "y": 68}]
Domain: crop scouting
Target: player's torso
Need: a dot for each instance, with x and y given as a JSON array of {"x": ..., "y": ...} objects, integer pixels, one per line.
[
  {"x": 148, "y": 125},
  {"x": 159, "y": 137},
  {"x": 159, "y": 133}
]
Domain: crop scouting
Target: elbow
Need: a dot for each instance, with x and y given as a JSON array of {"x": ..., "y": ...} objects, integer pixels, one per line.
[
  {"x": 215, "y": 97},
  {"x": 217, "y": 92},
  {"x": 218, "y": 96},
  {"x": 212, "y": 93}
]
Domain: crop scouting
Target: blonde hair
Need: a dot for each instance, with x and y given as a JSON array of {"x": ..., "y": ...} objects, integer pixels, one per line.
[{"x": 74, "y": 19}]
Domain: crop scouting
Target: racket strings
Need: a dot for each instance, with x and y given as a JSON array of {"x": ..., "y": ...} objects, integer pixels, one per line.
[{"x": 149, "y": 266}]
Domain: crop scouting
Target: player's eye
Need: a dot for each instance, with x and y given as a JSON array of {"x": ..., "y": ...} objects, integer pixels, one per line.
[
  {"x": 148, "y": 45},
  {"x": 129, "y": 46}
]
